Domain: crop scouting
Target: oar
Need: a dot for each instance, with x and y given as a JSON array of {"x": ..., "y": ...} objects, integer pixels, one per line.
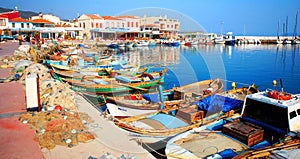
[{"x": 281, "y": 85}]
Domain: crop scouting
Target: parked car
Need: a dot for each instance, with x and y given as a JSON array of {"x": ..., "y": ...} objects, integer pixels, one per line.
[
  {"x": 16, "y": 37},
  {"x": 6, "y": 37}
]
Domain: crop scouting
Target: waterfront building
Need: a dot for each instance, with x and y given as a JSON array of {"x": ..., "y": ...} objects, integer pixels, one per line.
[
  {"x": 5, "y": 17},
  {"x": 89, "y": 21},
  {"x": 20, "y": 26},
  {"x": 131, "y": 27},
  {"x": 3, "y": 24},
  {"x": 162, "y": 27},
  {"x": 118, "y": 27}
]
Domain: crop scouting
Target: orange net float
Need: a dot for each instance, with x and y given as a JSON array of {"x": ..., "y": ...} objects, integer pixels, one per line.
[{"x": 279, "y": 95}]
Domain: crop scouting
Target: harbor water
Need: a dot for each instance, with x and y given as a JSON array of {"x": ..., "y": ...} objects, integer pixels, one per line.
[{"x": 242, "y": 64}]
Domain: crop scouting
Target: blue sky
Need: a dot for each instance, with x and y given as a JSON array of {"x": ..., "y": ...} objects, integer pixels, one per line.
[{"x": 260, "y": 17}]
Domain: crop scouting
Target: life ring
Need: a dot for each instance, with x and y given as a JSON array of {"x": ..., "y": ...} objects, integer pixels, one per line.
[{"x": 279, "y": 95}]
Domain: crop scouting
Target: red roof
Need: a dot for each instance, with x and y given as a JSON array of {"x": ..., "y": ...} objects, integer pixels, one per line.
[
  {"x": 62, "y": 25},
  {"x": 11, "y": 15},
  {"x": 19, "y": 19},
  {"x": 3, "y": 16},
  {"x": 41, "y": 21},
  {"x": 110, "y": 18},
  {"x": 93, "y": 16},
  {"x": 127, "y": 16}
]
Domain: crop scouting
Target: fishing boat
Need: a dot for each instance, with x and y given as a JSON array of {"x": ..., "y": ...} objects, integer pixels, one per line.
[
  {"x": 134, "y": 104},
  {"x": 265, "y": 123},
  {"x": 119, "y": 84},
  {"x": 229, "y": 39},
  {"x": 132, "y": 72},
  {"x": 219, "y": 40},
  {"x": 155, "y": 129},
  {"x": 85, "y": 66}
]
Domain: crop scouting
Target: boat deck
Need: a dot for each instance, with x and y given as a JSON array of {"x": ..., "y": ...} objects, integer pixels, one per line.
[{"x": 204, "y": 144}]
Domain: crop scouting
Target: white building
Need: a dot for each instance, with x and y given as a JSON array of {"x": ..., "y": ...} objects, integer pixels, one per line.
[
  {"x": 89, "y": 21},
  {"x": 49, "y": 17},
  {"x": 20, "y": 26},
  {"x": 168, "y": 28},
  {"x": 3, "y": 24}
]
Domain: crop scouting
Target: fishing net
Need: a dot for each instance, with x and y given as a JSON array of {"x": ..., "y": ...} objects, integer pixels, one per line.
[{"x": 59, "y": 128}]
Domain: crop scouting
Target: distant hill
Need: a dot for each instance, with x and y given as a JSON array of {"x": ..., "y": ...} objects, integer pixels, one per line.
[{"x": 22, "y": 14}]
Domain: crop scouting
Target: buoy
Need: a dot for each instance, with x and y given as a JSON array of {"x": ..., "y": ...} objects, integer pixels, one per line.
[
  {"x": 17, "y": 76},
  {"x": 58, "y": 108},
  {"x": 274, "y": 82},
  {"x": 233, "y": 85}
]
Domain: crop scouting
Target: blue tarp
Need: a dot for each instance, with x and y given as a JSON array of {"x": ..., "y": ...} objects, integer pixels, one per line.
[
  {"x": 216, "y": 103},
  {"x": 154, "y": 97},
  {"x": 168, "y": 121}
]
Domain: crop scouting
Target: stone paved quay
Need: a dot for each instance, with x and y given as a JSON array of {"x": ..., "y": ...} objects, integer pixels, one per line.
[{"x": 18, "y": 139}]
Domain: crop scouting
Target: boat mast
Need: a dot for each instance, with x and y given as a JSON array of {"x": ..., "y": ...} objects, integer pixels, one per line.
[
  {"x": 278, "y": 28},
  {"x": 286, "y": 26},
  {"x": 295, "y": 29}
]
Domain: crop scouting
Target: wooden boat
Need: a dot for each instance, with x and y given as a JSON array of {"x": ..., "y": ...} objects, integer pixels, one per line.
[
  {"x": 167, "y": 123},
  {"x": 105, "y": 73},
  {"x": 265, "y": 124},
  {"x": 119, "y": 84},
  {"x": 123, "y": 106},
  {"x": 85, "y": 66},
  {"x": 155, "y": 129}
]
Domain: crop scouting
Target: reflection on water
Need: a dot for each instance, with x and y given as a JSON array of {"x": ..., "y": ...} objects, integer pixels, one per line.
[{"x": 245, "y": 64}]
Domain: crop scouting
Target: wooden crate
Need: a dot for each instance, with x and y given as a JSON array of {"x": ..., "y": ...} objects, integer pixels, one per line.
[
  {"x": 189, "y": 114},
  {"x": 247, "y": 133},
  {"x": 184, "y": 95}
]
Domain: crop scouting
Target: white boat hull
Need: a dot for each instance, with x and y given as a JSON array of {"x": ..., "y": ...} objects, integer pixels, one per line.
[{"x": 123, "y": 112}]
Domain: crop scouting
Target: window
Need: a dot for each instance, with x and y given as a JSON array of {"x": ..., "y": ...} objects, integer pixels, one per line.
[
  {"x": 100, "y": 25},
  {"x": 79, "y": 25},
  {"x": 298, "y": 111},
  {"x": 128, "y": 24},
  {"x": 293, "y": 114},
  {"x": 22, "y": 25},
  {"x": 92, "y": 24},
  {"x": 27, "y": 25},
  {"x": 97, "y": 25},
  {"x": 136, "y": 24},
  {"x": 13, "y": 25},
  {"x": 83, "y": 24},
  {"x": 2, "y": 22},
  {"x": 132, "y": 24}
]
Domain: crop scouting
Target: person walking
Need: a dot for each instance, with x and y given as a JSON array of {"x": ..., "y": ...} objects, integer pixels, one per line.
[
  {"x": 27, "y": 39},
  {"x": 20, "y": 39}
]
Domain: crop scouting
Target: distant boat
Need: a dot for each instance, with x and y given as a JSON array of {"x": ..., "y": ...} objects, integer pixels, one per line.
[
  {"x": 219, "y": 40},
  {"x": 113, "y": 46},
  {"x": 229, "y": 40}
]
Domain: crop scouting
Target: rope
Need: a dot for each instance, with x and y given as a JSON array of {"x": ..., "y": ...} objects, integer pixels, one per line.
[
  {"x": 141, "y": 142},
  {"x": 246, "y": 84}
]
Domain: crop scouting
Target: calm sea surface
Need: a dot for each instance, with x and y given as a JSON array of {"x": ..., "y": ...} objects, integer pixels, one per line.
[{"x": 242, "y": 64}]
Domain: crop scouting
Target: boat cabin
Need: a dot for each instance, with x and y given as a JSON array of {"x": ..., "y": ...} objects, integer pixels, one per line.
[
  {"x": 281, "y": 114},
  {"x": 276, "y": 117}
]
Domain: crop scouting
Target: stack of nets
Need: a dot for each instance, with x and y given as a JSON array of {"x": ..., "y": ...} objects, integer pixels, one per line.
[
  {"x": 59, "y": 128},
  {"x": 55, "y": 93}
]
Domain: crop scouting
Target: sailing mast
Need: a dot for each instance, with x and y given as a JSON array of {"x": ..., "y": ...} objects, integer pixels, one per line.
[
  {"x": 295, "y": 29},
  {"x": 278, "y": 29},
  {"x": 295, "y": 40}
]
